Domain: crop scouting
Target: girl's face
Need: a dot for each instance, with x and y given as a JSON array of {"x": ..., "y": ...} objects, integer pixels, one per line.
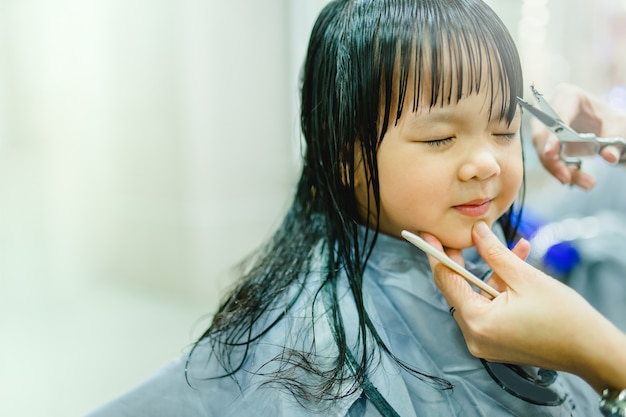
[{"x": 444, "y": 168}]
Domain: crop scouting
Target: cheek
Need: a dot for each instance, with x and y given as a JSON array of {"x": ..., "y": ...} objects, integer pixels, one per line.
[
  {"x": 406, "y": 178},
  {"x": 513, "y": 172},
  {"x": 410, "y": 191}
]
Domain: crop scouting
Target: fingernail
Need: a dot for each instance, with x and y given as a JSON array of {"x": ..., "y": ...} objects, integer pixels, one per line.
[{"x": 482, "y": 229}]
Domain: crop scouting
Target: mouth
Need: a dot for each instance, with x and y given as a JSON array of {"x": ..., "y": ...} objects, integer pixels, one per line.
[{"x": 474, "y": 208}]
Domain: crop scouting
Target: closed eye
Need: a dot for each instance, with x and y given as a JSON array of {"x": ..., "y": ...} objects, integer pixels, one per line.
[
  {"x": 439, "y": 142},
  {"x": 506, "y": 136}
]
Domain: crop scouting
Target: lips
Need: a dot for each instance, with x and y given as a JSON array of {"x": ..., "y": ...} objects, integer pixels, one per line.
[{"x": 475, "y": 208}]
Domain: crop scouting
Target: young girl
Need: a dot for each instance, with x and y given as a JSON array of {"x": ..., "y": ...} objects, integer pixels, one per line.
[{"x": 410, "y": 119}]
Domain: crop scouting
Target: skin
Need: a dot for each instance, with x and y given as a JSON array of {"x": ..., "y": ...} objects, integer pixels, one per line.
[
  {"x": 536, "y": 320},
  {"x": 584, "y": 113},
  {"x": 513, "y": 327},
  {"x": 442, "y": 169}
]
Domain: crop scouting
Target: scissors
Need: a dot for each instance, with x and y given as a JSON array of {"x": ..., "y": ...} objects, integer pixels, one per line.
[{"x": 574, "y": 145}]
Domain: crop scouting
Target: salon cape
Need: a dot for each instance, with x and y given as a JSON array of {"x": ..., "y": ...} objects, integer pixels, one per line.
[{"x": 411, "y": 317}]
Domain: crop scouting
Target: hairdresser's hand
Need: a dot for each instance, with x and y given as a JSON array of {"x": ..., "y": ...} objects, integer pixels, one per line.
[
  {"x": 585, "y": 114},
  {"x": 536, "y": 320}
]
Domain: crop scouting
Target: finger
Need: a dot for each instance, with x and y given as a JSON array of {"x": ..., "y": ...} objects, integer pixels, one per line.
[
  {"x": 496, "y": 282},
  {"x": 455, "y": 289},
  {"x": 522, "y": 249},
  {"x": 551, "y": 160},
  {"x": 503, "y": 262},
  {"x": 551, "y": 148},
  {"x": 432, "y": 241},
  {"x": 582, "y": 179},
  {"x": 455, "y": 254},
  {"x": 435, "y": 243},
  {"x": 611, "y": 154}
]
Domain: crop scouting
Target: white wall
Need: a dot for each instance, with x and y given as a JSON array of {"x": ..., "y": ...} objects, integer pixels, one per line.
[
  {"x": 145, "y": 147},
  {"x": 142, "y": 138}
]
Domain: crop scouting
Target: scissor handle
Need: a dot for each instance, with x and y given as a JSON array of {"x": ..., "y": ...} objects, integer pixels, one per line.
[
  {"x": 618, "y": 143},
  {"x": 589, "y": 139}
]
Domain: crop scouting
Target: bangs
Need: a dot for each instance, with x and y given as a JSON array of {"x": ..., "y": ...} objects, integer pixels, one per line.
[{"x": 442, "y": 54}]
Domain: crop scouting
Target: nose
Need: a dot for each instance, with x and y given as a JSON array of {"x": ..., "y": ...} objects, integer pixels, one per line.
[{"x": 481, "y": 163}]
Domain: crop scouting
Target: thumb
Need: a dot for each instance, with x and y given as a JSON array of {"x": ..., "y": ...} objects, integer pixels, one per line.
[
  {"x": 611, "y": 154},
  {"x": 503, "y": 262}
]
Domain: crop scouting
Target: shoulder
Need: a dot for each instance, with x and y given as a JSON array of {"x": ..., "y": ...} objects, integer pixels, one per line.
[{"x": 168, "y": 392}]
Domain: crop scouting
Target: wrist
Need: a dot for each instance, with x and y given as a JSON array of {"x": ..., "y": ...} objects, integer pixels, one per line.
[
  {"x": 602, "y": 360},
  {"x": 613, "y": 373}
]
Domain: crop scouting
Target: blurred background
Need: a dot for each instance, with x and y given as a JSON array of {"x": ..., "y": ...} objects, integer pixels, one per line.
[{"x": 148, "y": 145}]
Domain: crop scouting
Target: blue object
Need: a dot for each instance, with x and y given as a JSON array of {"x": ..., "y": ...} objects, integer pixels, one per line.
[
  {"x": 557, "y": 253},
  {"x": 561, "y": 257}
]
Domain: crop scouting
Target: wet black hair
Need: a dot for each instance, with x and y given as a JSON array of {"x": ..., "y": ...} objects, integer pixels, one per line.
[{"x": 362, "y": 57}]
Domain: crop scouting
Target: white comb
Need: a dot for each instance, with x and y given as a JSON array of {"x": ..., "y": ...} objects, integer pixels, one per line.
[{"x": 445, "y": 259}]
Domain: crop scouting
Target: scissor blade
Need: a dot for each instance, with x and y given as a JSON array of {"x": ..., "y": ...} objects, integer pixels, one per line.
[
  {"x": 544, "y": 105},
  {"x": 543, "y": 118}
]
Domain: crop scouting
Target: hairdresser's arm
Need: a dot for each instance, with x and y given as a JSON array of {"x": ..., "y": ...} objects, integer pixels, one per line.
[
  {"x": 584, "y": 113},
  {"x": 536, "y": 320}
]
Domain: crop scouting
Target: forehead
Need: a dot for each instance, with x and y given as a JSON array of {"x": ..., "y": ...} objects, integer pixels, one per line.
[
  {"x": 434, "y": 77},
  {"x": 472, "y": 110}
]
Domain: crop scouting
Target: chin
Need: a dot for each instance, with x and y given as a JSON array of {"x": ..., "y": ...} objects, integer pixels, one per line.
[
  {"x": 458, "y": 242},
  {"x": 459, "y": 237}
]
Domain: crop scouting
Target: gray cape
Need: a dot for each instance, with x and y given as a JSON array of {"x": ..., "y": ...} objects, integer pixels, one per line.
[{"x": 411, "y": 317}]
